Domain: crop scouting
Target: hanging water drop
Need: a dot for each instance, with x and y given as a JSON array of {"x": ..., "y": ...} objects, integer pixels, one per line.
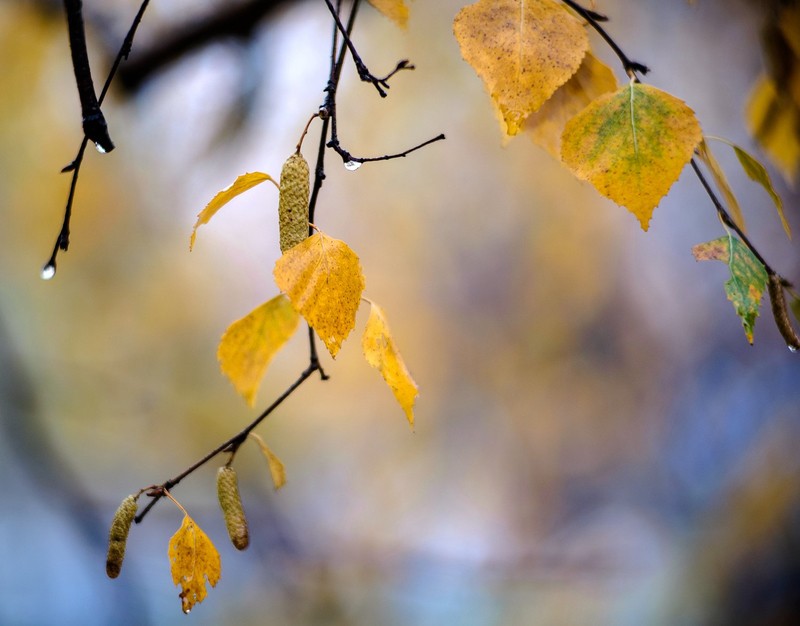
[
  {"x": 352, "y": 165},
  {"x": 48, "y": 271},
  {"x": 792, "y": 348},
  {"x": 100, "y": 148}
]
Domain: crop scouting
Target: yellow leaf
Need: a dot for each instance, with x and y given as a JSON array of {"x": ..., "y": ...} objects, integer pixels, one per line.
[
  {"x": 193, "y": 560},
  {"x": 381, "y": 352},
  {"x": 276, "y": 467},
  {"x": 523, "y": 50},
  {"x": 395, "y": 10},
  {"x": 322, "y": 277},
  {"x": 592, "y": 80},
  {"x": 774, "y": 120},
  {"x": 240, "y": 185},
  {"x": 249, "y": 344},
  {"x": 632, "y": 145},
  {"x": 707, "y": 157}
]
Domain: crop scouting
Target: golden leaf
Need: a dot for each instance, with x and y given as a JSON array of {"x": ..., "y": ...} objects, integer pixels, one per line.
[
  {"x": 707, "y": 157},
  {"x": 592, "y": 80},
  {"x": 523, "y": 50},
  {"x": 193, "y": 560},
  {"x": 276, "y": 467},
  {"x": 395, "y": 10},
  {"x": 381, "y": 352},
  {"x": 239, "y": 186},
  {"x": 632, "y": 145},
  {"x": 249, "y": 344},
  {"x": 322, "y": 277}
]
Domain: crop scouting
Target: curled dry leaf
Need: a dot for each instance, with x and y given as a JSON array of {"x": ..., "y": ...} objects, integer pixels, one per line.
[{"x": 380, "y": 351}]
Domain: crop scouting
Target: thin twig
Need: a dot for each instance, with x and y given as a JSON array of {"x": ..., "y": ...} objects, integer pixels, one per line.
[
  {"x": 62, "y": 241},
  {"x": 631, "y": 67},
  {"x": 381, "y": 84},
  {"x": 231, "y": 444}
]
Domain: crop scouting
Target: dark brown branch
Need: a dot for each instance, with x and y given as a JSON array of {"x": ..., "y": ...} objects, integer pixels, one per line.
[
  {"x": 232, "y": 20},
  {"x": 94, "y": 123},
  {"x": 62, "y": 241}
]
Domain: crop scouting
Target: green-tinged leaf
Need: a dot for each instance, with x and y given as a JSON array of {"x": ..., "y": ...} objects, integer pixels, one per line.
[
  {"x": 395, "y": 10},
  {"x": 707, "y": 157},
  {"x": 748, "y": 277},
  {"x": 757, "y": 172},
  {"x": 323, "y": 279},
  {"x": 276, "y": 467},
  {"x": 249, "y": 344},
  {"x": 632, "y": 145},
  {"x": 380, "y": 351},
  {"x": 239, "y": 186},
  {"x": 523, "y": 50}
]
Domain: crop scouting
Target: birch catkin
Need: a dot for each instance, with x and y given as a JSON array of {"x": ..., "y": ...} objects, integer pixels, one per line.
[
  {"x": 293, "y": 203},
  {"x": 231, "y": 504},
  {"x": 118, "y": 535}
]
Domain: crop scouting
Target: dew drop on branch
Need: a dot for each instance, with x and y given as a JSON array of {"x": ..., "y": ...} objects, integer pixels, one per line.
[
  {"x": 48, "y": 271},
  {"x": 100, "y": 148},
  {"x": 792, "y": 348},
  {"x": 352, "y": 165}
]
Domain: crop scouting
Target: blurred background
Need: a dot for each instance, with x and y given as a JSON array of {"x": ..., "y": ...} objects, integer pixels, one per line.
[{"x": 596, "y": 442}]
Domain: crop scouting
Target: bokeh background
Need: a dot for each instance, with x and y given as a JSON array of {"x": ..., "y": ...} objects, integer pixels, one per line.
[{"x": 596, "y": 442}]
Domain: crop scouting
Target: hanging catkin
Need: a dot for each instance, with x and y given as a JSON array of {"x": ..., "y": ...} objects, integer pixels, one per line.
[
  {"x": 293, "y": 203},
  {"x": 231, "y": 504},
  {"x": 118, "y": 535}
]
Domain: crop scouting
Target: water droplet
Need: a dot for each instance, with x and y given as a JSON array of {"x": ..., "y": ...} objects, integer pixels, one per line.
[
  {"x": 792, "y": 348},
  {"x": 100, "y": 148},
  {"x": 48, "y": 271},
  {"x": 352, "y": 165},
  {"x": 187, "y": 611}
]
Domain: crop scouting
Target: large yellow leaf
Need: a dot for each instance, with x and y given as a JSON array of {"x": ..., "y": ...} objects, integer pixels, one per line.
[
  {"x": 395, "y": 10},
  {"x": 592, "y": 80},
  {"x": 193, "y": 560},
  {"x": 632, "y": 145},
  {"x": 523, "y": 50},
  {"x": 239, "y": 186},
  {"x": 381, "y": 352},
  {"x": 322, "y": 277},
  {"x": 249, "y": 344}
]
